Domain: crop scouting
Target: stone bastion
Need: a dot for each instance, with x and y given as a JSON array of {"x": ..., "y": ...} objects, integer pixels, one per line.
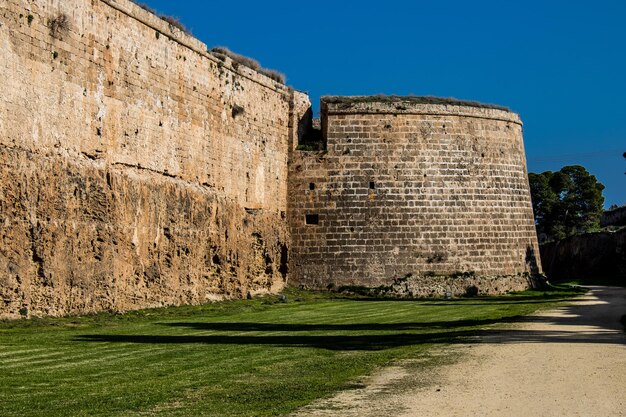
[
  {"x": 140, "y": 169},
  {"x": 423, "y": 190}
]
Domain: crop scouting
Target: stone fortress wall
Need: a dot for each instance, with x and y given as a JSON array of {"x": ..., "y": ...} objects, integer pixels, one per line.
[
  {"x": 136, "y": 169},
  {"x": 413, "y": 187}
]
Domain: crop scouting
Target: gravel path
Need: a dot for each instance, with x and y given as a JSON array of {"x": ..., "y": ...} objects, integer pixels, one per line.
[{"x": 565, "y": 362}]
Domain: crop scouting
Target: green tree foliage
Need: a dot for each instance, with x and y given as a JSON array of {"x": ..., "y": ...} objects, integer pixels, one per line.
[{"x": 566, "y": 202}]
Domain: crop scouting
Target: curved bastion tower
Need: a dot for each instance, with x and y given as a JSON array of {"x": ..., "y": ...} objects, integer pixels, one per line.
[{"x": 428, "y": 196}]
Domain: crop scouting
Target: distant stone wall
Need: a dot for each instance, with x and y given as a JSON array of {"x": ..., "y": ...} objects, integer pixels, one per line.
[
  {"x": 615, "y": 217},
  {"x": 593, "y": 256},
  {"x": 412, "y": 188},
  {"x": 136, "y": 170}
]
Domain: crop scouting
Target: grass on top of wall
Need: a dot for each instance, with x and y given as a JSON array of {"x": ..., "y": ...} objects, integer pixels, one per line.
[
  {"x": 410, "y": 99},
  {"x": 173, "y": 21},
  {"x": 221, "y": 52},
  {"x": 259, "y": 357}
]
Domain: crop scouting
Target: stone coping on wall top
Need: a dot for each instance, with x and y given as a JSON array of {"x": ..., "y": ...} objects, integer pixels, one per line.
[
  {"x": 133, "y": 10},
  {"x": 415, "y": 105}
]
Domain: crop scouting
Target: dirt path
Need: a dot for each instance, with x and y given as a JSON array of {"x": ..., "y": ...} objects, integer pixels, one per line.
[{"x": 565, "y": 362}]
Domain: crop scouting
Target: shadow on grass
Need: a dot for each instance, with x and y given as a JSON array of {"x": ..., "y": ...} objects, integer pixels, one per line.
[
  {"x": 591, "y": 322},
  {"x": 368, "y": 342},
  {"x": 288, "y": 327},
  {"x": 339, "y": 342}
]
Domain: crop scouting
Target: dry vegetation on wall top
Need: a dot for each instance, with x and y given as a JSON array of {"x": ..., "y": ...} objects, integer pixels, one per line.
[
  {"x": 223, "y": 52},
  {"x": 220, "y": 52},
  {"x": 173, "y": 21},
  {"x": 381, "y": 98}
]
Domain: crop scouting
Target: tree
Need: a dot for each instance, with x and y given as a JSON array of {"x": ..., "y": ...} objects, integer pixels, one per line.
[{"x": 566, "y": 202}]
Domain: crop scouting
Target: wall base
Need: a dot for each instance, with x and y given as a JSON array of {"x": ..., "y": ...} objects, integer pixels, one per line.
[
  {"x": 82, "y": 236},
  {"x": 450, "y": 286}
]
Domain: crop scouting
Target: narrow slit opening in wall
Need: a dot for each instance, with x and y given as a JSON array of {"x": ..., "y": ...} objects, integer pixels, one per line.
[
  {"x": 372, "y": 185},
  {"x": 311, "y": 186},
  {"x": 312, "y": 219}
]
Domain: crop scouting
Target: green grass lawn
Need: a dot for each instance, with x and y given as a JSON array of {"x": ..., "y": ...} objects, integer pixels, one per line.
[{"x": 258, "y": 357}]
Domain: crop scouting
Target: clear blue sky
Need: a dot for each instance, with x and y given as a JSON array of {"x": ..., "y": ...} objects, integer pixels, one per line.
[{"x": 560, "y": 64}]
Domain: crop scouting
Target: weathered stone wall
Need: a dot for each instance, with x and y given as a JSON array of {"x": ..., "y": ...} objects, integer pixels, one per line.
[
  {"x": 615, "y": 217},
  {"x": 136, "y": 170},
  {"x": 405, "y": 187},
  {"x": 590, "y": 257}
]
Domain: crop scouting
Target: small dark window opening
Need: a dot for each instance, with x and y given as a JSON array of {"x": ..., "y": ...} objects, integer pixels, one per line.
[
  {"x": 312, "y": 219},
  {"x": 311, "y": 186},
  {"x": 237, "y": 110},
  {"x": 372, "y": 185}
]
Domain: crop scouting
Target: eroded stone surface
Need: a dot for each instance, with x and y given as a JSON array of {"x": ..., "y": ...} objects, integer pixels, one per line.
[
  {"x": 81, "y": 238},
  {"x": 136, "y": 170}
]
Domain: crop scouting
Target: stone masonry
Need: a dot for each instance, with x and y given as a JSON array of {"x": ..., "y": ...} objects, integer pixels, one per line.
[
  {"x": 412, "y": 187},
  {"x": 136, "y": 169},
  {"x": 139, "y": 170}
]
